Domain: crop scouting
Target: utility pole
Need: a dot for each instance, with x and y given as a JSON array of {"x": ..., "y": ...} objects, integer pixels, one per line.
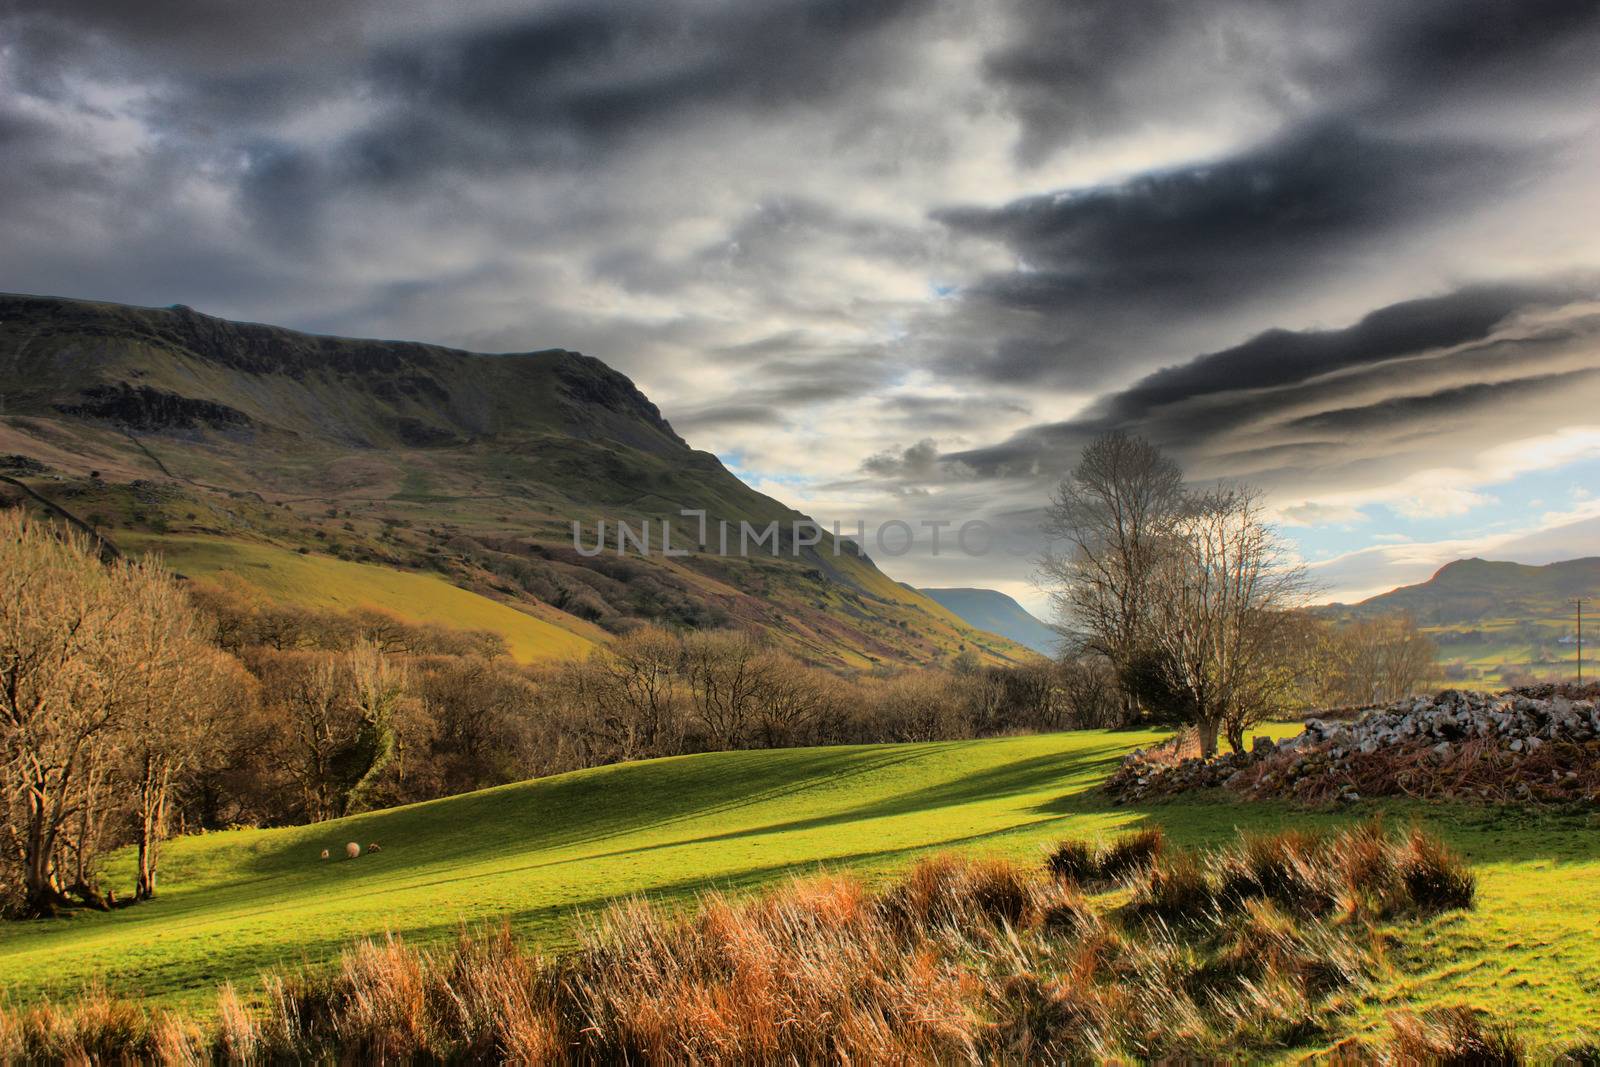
[{"x": 1577, "y": 602}]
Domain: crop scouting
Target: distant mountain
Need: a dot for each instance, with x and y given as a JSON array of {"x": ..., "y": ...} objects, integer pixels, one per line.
[
  {"x": 1495, "y": 623},
  {"x": 344, "y": 471},
  {"x": 1472, "y": 591},
  {"x": 992, "y": 610}
]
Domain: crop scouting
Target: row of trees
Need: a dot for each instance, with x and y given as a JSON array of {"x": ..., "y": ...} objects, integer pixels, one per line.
[
  {"x": 131, "y": 705},
  {"x": 108, "y": 685},
  {"x": 1364, "y": 661},
  {"x": 339, "y": 731},
  {"x": 1194, "y": 603}
]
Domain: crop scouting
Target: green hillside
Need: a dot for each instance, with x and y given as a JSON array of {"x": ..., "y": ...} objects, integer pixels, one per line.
[
  {"x": 1480, "y": 590},
  {"x": 343, "y": 585},
  {"x": 992, "y": 610},
  {"x": 539, "y": 853},
  {"x": 1496, "y": 622},
  {"x": 164, "y": 428}
]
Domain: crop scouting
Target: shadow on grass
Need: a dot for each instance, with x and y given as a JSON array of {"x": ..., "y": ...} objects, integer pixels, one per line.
[
  {"x": 1483, "y": 834},
  {"x": 568, "y": 811},
  {"x": 595, "y": 808}
]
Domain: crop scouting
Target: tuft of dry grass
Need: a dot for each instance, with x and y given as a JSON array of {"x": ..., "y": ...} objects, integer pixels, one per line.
[
  {"x": 961, "y": 960},
  {"x": 1452, "y": 1036},
  {"x": 1361, "y": 872},
  {"x": 95, "y": 1028},
  {"x": 1082, "y": 863}
]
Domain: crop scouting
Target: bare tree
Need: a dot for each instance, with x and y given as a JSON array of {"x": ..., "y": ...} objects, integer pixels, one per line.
[
  {"x": 796, "y": 699},
  {"x": 57, "y": 692},
  {"x": 727, "y": 682},
  {"x": 90, "y": 655},
  {"x": 642, "y": 669},
  {"x": 1107, "y": 526},
  {"x": 1222, "y": 593},
  {"x": 475, "y": 715},
  {"x": 174, "y": 697},
  {"x": 1089, "y": 691},
  {"x": 1383, "y": 658},
  {"x": 336, "y": 715}
]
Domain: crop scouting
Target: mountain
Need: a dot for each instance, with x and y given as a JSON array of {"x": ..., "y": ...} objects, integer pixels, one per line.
[
  {"x": 992, "y": 610},
  {"x": 1496, "y": 623},
  {"x": 1478, "y": 590},
  {"x": 438, "y": 483}
]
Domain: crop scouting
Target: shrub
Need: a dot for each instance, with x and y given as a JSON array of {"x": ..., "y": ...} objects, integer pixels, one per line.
[
  {"x": 1074, "y": 861},
  {"x": 1175, "y": 889},
  {"x": 1454, "y": 1035},
  {"x": 1080, "y": 862},
  {"x": 1131, "y": 853},
  {"x": 1435, "y": 878},
  {"x": 959, "y": 960},
  {"x": 1291, "y": 868},
  {"x": 962, "y": 894}
]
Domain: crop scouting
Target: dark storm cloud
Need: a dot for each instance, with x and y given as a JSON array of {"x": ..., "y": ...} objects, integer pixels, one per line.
[
  {"x": 1284, "y": 397},
  {"x": 564, "y": 85},
  {"x": 1096, "y": 263},
  {"x": 1074, "y": 70},
  {"x": 1284, "y": 357},
  {"x": 657, "y": 181},
  {"x": 1419, "y": 412},
  {"x": 785, "y": 374},
  {"x": 482, "y": 92},
  {"x": 917, "y": 462},
  {"x": 1071, "y": 70},
  {"x": 1445, "y": 47}
]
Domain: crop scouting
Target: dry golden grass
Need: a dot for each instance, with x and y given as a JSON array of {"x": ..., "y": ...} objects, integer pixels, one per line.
[{"x": 961, "y": 960}]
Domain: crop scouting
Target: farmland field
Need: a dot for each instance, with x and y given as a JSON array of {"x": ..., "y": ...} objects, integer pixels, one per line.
[{"x": 539, "y": 853}]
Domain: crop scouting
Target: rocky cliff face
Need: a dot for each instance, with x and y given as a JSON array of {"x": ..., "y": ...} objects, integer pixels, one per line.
[{"x": 152, "y": 369}]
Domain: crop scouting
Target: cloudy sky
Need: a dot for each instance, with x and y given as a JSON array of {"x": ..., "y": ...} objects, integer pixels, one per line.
[{"x": 897, "y": 258}]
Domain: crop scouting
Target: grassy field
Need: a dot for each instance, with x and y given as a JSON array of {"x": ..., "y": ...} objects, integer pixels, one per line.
[
  {"x": 536, "y": 853},
  {"x": 324, "y": 582}
]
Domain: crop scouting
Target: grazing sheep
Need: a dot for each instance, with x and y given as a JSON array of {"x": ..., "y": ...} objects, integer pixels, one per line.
[
  {"x": 352, "y": 850},
  {"x": 374, "y": 847},
  {"x": 324, "y": 853}
]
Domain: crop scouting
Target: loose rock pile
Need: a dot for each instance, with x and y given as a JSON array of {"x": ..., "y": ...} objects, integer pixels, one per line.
[{"x": 1541, "y": 743}]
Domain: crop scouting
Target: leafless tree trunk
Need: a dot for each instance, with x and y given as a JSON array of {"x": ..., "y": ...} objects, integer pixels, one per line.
[
  {"x": 1223, "y": 591},
  {"x": 1107, "y": 525}
]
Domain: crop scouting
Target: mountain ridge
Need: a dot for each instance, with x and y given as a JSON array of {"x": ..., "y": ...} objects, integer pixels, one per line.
[
  {"x": 1474, "y": 588},
  {"x": 996, "y": 612},
  {"x": 232, "y": 447}
]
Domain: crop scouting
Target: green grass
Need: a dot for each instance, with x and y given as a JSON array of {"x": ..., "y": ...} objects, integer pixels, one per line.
[
  {"x": 325, "y": 582},
  {"x": 538, "y": 852}
]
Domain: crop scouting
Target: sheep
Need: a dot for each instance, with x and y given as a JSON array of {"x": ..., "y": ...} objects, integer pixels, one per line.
[
  {"x": 352, "y": 850},
  {"x": 324, "y": 853},
  {"x": 374, "y": 847}
]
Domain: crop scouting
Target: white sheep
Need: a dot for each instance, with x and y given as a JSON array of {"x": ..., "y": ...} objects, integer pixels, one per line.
[
  {"x": 324, "y": 853},
  {"x": 352, "y": 850}
]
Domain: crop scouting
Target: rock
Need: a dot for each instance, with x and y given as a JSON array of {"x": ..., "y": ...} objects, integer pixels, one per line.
[{"x": 1314, "y": 763}]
